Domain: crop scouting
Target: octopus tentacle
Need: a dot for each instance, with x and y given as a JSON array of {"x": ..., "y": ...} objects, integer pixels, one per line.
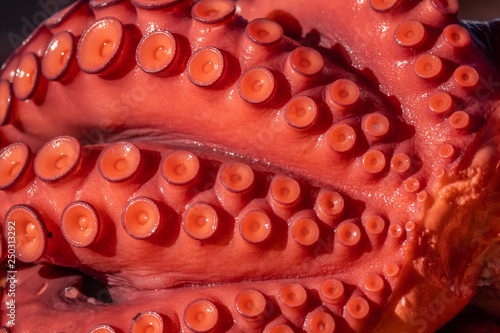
[
  {"x": 339, "y": 171},
  {"x": 141, "y": 218}
]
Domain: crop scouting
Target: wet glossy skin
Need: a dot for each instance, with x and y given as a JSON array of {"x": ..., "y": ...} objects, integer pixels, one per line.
[{"x": 265, "y": 184}]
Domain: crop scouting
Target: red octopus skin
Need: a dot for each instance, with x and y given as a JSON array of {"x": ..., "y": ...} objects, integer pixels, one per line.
[{"x": 347, "y": 184}]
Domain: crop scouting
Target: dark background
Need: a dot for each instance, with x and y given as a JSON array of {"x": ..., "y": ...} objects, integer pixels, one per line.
[{"x": 18, "y": 17}]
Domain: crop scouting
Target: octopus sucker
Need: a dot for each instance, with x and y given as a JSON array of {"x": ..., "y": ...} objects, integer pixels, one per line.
[{"x": 211, "y": 166}]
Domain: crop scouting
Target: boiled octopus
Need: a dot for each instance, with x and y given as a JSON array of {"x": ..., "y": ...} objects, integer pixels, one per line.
[{"x": 251, "y": 166}]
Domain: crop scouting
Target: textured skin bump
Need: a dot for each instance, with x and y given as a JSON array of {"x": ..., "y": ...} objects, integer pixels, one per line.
[{"x": 195, "y": 169}]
